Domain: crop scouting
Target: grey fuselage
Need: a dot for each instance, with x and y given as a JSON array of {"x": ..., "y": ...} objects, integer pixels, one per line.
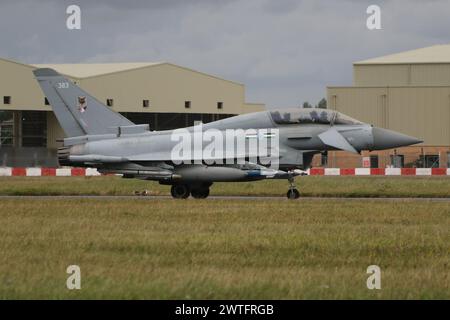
[
  {"x": 148, "y": 154},
  {"x": 299, "y": 138}
]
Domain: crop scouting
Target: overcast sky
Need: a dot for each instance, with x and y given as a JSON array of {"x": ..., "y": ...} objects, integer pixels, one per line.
[{"x": 284, "y": 51}]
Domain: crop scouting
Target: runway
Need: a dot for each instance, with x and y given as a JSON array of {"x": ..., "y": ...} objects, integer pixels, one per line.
[{"x": 238, "y": 198}]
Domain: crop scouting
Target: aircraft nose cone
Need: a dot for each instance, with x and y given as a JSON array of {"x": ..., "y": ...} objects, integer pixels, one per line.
[{"x": 387, "y": 139}]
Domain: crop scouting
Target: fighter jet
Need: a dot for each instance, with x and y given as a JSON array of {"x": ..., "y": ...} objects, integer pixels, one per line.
[{"x": 101, "y": 138}]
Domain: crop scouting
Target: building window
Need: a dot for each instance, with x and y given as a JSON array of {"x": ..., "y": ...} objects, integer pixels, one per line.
[
  {"x": 219, "y": 105},
  {"x": 6, "y": 135},
  {"x": 34, "y": 128},
  {"x": 374, "y": 161},
  {"x": 109, "y": 102},
  {"x": 398, "y": 161},
  {"x": 324, "y": 159},
  {"x": 142, "y": 118},
  {"x": 6, "y": 128},
  {"x": 46, "y": 102},
  {"x": 6, "y": 99},
  {"x": 187, "y": 104},
  {"x": 146, "y": 103},
  {"x": 193, "y": 119},
  {"x": 169, "y": 121},
  {"x": 429, "y": 161}
]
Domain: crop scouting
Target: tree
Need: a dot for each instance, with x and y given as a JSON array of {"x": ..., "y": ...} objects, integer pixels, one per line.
[
  {"x": 322, "y": 104},
  {"x": 306, "y": 104}
]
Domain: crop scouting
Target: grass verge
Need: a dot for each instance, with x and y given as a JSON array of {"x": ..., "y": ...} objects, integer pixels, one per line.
[
  {"x": 316, "y": 186},
  {"x": 221, "y": 249}
]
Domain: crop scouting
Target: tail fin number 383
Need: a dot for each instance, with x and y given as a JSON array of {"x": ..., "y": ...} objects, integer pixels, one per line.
[{"x": 63, "y": 85}]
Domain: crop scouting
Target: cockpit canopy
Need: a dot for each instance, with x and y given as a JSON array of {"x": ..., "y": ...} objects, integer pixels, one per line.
[{"x": 310, "y": 115}]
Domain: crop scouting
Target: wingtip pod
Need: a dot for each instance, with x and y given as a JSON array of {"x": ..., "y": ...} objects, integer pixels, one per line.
[{"x": 45, "y": 72}]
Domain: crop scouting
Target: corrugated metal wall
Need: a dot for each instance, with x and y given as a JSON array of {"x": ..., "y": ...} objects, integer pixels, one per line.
[
  {"x": 54, "y": 132},
  {"x": 166, "y": 87},
  {"x": 437, "y": 74},
  {"x": 409, "y": 98},
  {"x": 430, "y": 75},
  {"x": 365, "y": 104},
  {"x": 423, "y": 112},
  {"x": 17, "y": 81},
  {"x": 381, "y": 75}
]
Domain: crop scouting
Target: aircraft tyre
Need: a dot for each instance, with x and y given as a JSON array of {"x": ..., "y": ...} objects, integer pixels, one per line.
[
  {"x": 180, "y": 191},
  {"x": 200, "y": 193},
  {"x": 293, "y": 194}
]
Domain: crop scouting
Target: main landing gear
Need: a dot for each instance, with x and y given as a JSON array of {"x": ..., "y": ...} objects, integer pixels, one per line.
[
  {"x": 201, "y": 191},
  {"x": 182, "y": 191},
  {"x": 292, "y": 193}
]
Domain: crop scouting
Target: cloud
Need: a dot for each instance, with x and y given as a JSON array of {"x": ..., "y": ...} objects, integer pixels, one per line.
[{"x": 286, "y": 52}]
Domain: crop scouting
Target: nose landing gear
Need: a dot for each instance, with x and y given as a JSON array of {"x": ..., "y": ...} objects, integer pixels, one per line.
[{"x": 292, "y": 193}]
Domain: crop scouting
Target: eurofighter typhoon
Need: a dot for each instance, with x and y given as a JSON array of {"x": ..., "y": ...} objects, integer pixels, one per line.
[{"x": 276, "y": 144}]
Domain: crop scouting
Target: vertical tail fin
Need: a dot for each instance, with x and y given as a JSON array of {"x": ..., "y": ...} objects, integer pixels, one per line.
[{"x": 77, "y": 112}]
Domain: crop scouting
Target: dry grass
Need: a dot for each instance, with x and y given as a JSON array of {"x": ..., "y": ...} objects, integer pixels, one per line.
[
  {"x": 222, "y": 249},
  {"x": 309, "y": 186}
]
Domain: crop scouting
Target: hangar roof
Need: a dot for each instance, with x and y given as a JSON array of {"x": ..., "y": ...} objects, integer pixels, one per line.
[
  {"x": 433, "y": 54},
  {"x": 84, "y": 70},
  {"x": 87, "y": 70}
]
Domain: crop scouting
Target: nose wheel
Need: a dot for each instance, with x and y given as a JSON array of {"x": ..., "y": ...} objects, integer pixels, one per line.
[{"x": 292, "y": 193}]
